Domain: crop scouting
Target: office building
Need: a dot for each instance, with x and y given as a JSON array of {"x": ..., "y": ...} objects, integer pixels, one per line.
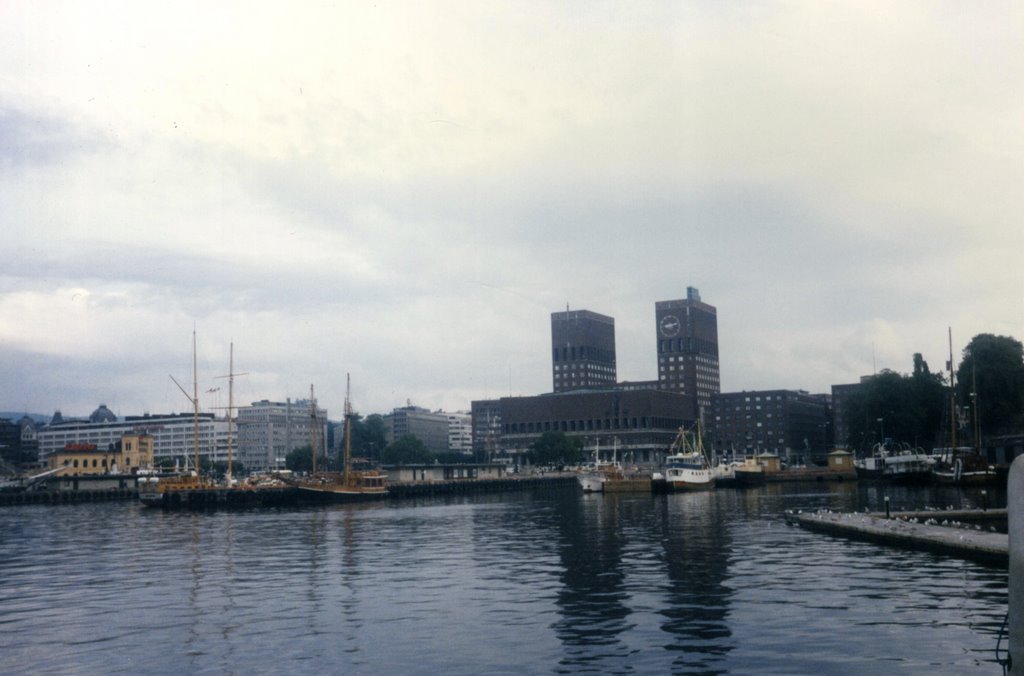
[
  {"x": 687, "y": 332},
  {"x": 430, "y": 428},
  {"x": 269, "y": 430},
  {"x": 582, "y": 350},
  {"x": 792, "y": 424},
  {"x": 637, "y": 426}
]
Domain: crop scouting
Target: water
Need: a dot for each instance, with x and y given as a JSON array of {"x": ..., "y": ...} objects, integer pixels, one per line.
[{"x": 517, "y": 583}]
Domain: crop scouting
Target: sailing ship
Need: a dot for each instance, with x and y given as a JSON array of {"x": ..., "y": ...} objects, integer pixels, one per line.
[
  {"x": 688, "y": 467},
  {"x": 168, "y": 491},
  {"x": 188, "y": 489},
  {"x": 344, "y": 486},
  {"x": 962, "y": 465}
]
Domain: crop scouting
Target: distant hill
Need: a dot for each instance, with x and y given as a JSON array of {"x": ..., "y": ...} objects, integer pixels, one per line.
[{"x": 16, "y": 416}]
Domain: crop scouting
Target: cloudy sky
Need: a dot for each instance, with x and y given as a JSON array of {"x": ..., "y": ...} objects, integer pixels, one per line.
[{"x": 405, "y": 191}]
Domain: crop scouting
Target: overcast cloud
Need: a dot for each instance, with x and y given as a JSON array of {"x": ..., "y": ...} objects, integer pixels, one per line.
[{"x": 406, "y": 191}]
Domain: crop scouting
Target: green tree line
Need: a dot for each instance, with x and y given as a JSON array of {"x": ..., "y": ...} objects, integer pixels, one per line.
[{"x": 919, "y": 408}]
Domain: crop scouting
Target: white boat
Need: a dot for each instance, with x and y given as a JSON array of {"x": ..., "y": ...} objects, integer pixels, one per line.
[
  {"x": 594, "y": 477},
  {"x": 900, "y": 465},
  {"x": 688, "y": 468}
]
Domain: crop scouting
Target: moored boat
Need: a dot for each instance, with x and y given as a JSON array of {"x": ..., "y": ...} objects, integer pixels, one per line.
[
  {"x": 345, "y": 486},
  {"x": 900, "y": 465},
  {"x": 750, "y": 472},
  {"x": 595, "y": 476},
  {"x": 688, "y": 468},
  {"x": 962, "y": 466}
]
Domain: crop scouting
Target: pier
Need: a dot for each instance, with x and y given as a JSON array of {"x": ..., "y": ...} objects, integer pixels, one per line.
[{"x": 926, "y": 531}]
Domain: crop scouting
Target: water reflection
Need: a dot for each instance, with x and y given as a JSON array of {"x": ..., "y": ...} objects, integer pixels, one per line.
[
  {"x": 592, "y": 597},
  {"x": 696, "y": 559},
  {"x": 531, "y": 582}
]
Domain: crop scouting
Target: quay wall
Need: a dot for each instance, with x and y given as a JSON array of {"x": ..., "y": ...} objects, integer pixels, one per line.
[{"x": 395, "y": 491}]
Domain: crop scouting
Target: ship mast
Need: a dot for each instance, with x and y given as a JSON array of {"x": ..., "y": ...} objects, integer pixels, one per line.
[
  {"x": 312, "y": 428},
  {"x": 231, "y": 408},
  {"x": 231, "y": 401},
  {"x": 952, "y": 398},
  {"x": 195, "y": 403},
  {"x": 348, "y": 425}
]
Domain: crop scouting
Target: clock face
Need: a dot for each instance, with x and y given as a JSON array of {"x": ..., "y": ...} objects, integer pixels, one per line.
[{"x": 669, "y": 325}]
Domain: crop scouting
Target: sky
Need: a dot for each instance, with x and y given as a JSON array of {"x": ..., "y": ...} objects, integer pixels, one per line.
[{"x": 405, "y": 191}]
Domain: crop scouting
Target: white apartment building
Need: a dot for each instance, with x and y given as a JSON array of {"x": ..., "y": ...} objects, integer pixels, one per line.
[
  {"x": 269, "y": 430},
  {"x": 460, "y": 432},
  {"x": 173, "y": 435}
]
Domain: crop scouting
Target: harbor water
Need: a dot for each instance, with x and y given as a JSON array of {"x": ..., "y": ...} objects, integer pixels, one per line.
[{"x": 531, "y": 582}]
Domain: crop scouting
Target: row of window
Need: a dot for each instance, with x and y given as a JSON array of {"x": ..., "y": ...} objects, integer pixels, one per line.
[{"x": 593, "y": 425}]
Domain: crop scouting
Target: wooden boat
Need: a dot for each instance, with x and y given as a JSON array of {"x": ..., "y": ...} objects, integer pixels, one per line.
[
  {"x": 962, "y": 466},
  {"x": 345, "y": 486}
]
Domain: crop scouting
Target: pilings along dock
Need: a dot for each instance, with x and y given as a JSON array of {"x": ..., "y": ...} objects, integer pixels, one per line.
[
  {"x": 262, "y": 496},
  {"x": 964, "y": 534}
]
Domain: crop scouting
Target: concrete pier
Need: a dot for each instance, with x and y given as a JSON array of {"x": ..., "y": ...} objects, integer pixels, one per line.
[
  {"x": 929, "y": 535},
  {"x": 1015, "y": 526}
]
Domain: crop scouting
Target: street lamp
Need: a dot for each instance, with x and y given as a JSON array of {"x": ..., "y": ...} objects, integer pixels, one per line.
[{"x": 881, "y": 430}]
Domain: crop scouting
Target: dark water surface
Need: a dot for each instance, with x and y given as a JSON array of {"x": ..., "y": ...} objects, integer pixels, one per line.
[{"x": 517, "y": 583}]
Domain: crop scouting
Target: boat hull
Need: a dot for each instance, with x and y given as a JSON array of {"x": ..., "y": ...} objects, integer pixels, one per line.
[
  {"x": 907, "y": 478},
  {"x": 339, "y": 494},
  {"x": 750, "y": 478},
  {"x": 591, "y": 484},
  {"x": 687, "y": 486}
]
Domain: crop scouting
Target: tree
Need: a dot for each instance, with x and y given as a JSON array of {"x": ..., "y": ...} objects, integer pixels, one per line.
[
  {"x": 905, "y": 409},
  {"x": 407, "y": 450},
  {"x": 300, "y": 459},
  {"x": 368, "y": 436},
  {"x": 996, "y": 365},
  {"x": 555, "y": 448}
]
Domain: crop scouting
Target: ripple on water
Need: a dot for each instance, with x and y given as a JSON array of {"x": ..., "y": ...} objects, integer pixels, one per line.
[{"x": 555, "y": 582}]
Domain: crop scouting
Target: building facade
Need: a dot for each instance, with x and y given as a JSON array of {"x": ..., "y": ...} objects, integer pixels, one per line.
[
  {"x": 840, "y": 396},
  {"x": 790, "y": 423},
  {"x": 269, "y": 430},
  {"x": 174, "y": 435},
  {"x": 429, "y": 427},
  {"x": 460, "y": 433},
  {"x": 486, "y": 423},
  {"x": 636, "y": 426},
  {"x": 132, "y": 453},
  {"x": 687, "y": 341},
  {"x": 582, "y": 350}
]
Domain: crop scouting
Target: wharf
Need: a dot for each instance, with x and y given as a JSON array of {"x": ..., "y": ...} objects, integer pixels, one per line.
[
  {"x": 58, "y": 497},
  {"x": 908, "y": 531},
  {"x": 809, "y": 474},
  {"x": 240, "y": 496}
]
